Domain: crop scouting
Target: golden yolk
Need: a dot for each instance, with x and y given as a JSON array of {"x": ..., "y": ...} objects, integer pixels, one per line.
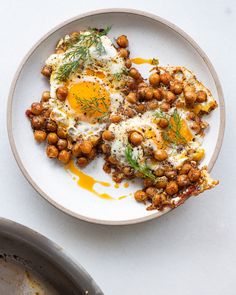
[
  {"x": 90, "y": 100},
  {"x": 98, "y": 74},
  {"x": 139, "y": 61}
]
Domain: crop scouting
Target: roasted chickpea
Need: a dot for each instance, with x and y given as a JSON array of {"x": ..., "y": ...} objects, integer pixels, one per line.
[
  {"x": 46, "y": 71},
  {"x": 61, "y": 132},
  {"x": 135, "y": 138},
  {"x": 123, "y": 52},
  {"x": 140, "y": 196},
  {"x": 196, "y": 127},
  {"x": 36, "y": 108},
  {"x": 157, "y": 94},
  {"x": 131, "y": 97},
  {"x": 62, "y": 144},
  {"x": 152, "y": 105},
  {"x": 201, "y": 96},
  {"x": 128, "y": 171},
  {"x": 82, "y": 162},
  {"x": 148, "y": 93},
  {"x": 132, "y": 85},
  {"x": 107, "y": 167},
  {"x": 194, "y": 174},
  {"x": 45, "y": 96},
  {"x": 176, "y": 87},
  {"x": 170, "y": 97},
  {"x": 165, "y": 78},
  {"x": 189, "y": 88},
  {"x": 40, "y": 135},
  {"x": 52, "y": 138},
  {"x": 162, "y": 183},
  {"x": 147, "y": 182},
  {"x": 92, "y": 154},
  {"x": 76, "y": 150},
  {"x": 190, "y": 97},
  {"x": 86, "y": 147},
  {"x": 172, "y": 188},
  {"x": 37, "y": 122},
  {"x": 165, "y": 106},
  {"x": 163, "y": 123},
  {"x": 154, "y": 79},
  {"x": 115, "y": 118},
  {"x": 141, "y": 92},
  {"x": 94, "y": 139},
  {"x": 159, "y": 172},
  {"x": 64, "y": 156},
  {"x": 51, "y": 126},
  {"x": 185, "y": 168},
  {"x": 151, "y": 191},
  {"x": 52, "y": 151},
  {"x": 129, "y": 112},
  {"x": 46, "y": 113},
  {"x": 106, "y": 149},
  {"x": 62, "y": 93},
  {"x": 112, "y": 160},
  {"x": 141, "y": 108},
  {"x": 160, "y": 155},
  {"x": 128, "y": 63},
  {"x": 134, "y": 73},
  {"x": 182, "y": 180},
  {"x": 171, "y": 174},
  {"x": 158, "y": 200},
  {"x": 122, "y": 41},
  {"x": 107, "y": 135}
]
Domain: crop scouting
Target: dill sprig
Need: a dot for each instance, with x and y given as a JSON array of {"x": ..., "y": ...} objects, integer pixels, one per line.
[
  {"x": 78, "y": 52},
  {"x": 133, "y": 161},
  {"x": 118, "y": 76},
  {"x": 173, "y": 129}
]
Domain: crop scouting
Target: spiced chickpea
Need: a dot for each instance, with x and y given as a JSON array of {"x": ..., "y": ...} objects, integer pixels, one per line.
[
  {"x": 185, "y": 168},
  {"x": 61, "y": 132},
  {"x": 135, "y": 138},
  {"x": 151, "y": 191},
  {"x": 64, "y": 156},
  {"x": 62, "y": 93},
  {"x": 107, "y": 167},
  {"x": 162, "y": 183},
  {"x": 112, "y": 160},
  {"x": 51, "y": 126},
  {"x": 129, "y": 112},
  {"x": 190, "y": 97},
  {"x": 157, "y": 94},
  {"x": 128, "y": 171},
  {"x": 182, "y": 180},
  {"x": 46, "y": 113},
  {"x": 159, "y": 172},
  {"x": 165, "y": 106},
  {"x": 152, "y": 105},
  {"x": 141, "y": 92},
  {"x": 131, "y": 97},
  {"x": 172, "y": 188},
  {"x": 107, "y": 135},
  {"x": 76, "y": 150},
  {"x": 62, "y": 144},
  {"x": 52, "y": 151},
  {"x": 94, "y": 139},
  {"x": 92, "y": 154},
  {"x": 158, "y": 200},
  {"x": 46, "y": 71},
  {"x": 82, "y": 162},
  {"x": 165, "y": 78},
  {"x": 122, "y": 41},
  {"x": 176, "y": 87},
  {"x": 194, "y": 174},
  {"x": 106, "y": 149},
  {"x": 40, "y": 135},
  {"x": 115, "y": 118},
  {"x": 170, "y": 97},
  {"x": 163, "y": 123},
  {"x": 170, "y": 174},
  {"x": 123, "y": 52},
  {"x": 148, "y": 93},
  {"x": 52, "y": 138},
  {"x": 37, "y": 122},
  {"x": 45, "y": 96},
  {"x": 134, "y": 73},
  {"x": 201, "y": 96},
  {"x": 86, "y": 147},
  {"x": 160, "y": 155},
  {"x": 154, "y": 79},
  {"x": 141, "y": 108},
  {"x": 147, "y": 182},
  {"x": 128, "y": 63},
  {"x": 140, "y": 196},
  {"x": 36, "y": 108},
  {"x": 196, "y": 127}
]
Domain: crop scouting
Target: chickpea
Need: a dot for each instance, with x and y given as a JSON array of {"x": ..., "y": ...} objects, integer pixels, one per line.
[
  {"x": 106, "y": 149},
  {"x": 128, "y": 171},
  {"x": 39, "y": 135},
  {"x": 82, "y": 162},
  {"x": 190, "y": 97},
  {"x": 52, "y": 151},
  {"x": 142, "y": 85},
  {"x": 185, "y": 168},
  {"x": 134, "y": 73},
  {"x": 131, "y": 97},
  {"x": 52, "y": 138},
  {"x": 132, "y": 85},
  {"x": 129, "y": 112},
  {"x": 182, "y": 180},
  {"x": 64, "y": 156},
  {"x": 172, "y": 188},
  {"x": 135, "y": 138},
  {"x": 160, "y": 155},
  {"x": 46, "y": 113},
  {"x": 46, "y": 71},
  {"x": 36, "y": 108},
  {"x": 107, "y": 167},
  {"x": 201, "y": 96},
  {"x": 147, "y": 182},
  {"x": 194, "y": 174},
  {"x": 122, "y": 41},
  {"x": 62, "y": 93},
  {"x": 157, "y": 94},
  {"x": 171, "y": 174},
  {"x": 140, "y": 196},
  {"x": 76, "y": 150},
  {"x": 86, "y": 147},
  {"x": 170, "y": 97},
  {"x": 92, "y": 154},
  {"x": 152, "y": 105},
  {"x": 51, "y": 126},
  {"x": 162, "y": 183},
  {"x": 107, "y": 135},
  {"x": 180, "y": 104},
  {"x": 165, "y": 106},
  {"x": 140, "y": 108},
  {"x": 148, "y": 93},
  {"x": 62, "y": 144},
  {"x": 165, "y": 78},
  {"x": 151, "y": 191},
  {"x": 45, "y": 96},
  {"x": 154, "y": 79},
  {"x": 37, "y": 122},
  {"x": 159, "y": 172},
  {"x": 112, "y": 160},
  {"x": 94, "y": 139},
  {"x": 158, "y": 200},
  {"x": 61, "y": 132},
  {"x": 115, "y": 118},
  {"x": 196, "y": 127},
  {"x": 189, "y": 88},
  {"x": 128, "y": 63},
  {"x": 123, "y": 52},
  {"x": 176, "y": 87},
  {"x": 141, "y": 92},
  {"x": 163, "y": 123}
]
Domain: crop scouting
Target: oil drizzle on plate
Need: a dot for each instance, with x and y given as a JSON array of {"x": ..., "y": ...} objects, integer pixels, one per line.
[
  {"x": 139, "y": 61},
  {"x": 86, "y": 181}
]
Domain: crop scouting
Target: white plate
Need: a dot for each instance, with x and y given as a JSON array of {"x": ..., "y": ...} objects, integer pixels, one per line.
[{"x": 149, "y": 36}]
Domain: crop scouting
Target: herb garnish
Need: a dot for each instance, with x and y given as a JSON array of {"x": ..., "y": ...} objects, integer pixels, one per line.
[
  {"x": 119, "y": 75},
  {"x": 78, "y": 52}
]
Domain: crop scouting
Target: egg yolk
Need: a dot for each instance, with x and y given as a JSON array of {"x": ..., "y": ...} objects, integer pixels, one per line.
[{"x": 89, "y": 100}]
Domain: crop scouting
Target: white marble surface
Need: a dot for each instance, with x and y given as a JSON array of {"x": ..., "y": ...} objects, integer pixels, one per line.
[{"x": 189, "y": 251}]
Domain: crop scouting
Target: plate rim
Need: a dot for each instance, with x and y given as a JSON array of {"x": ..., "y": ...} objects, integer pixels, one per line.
[{"x": 148, "y": 15}]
